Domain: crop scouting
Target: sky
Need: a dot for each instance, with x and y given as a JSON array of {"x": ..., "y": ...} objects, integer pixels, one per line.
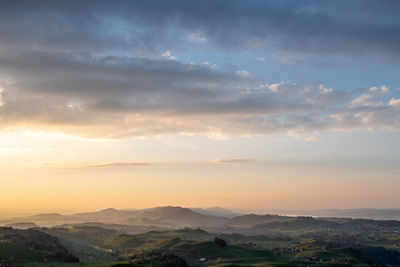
[{"x": 240, "y": 104}]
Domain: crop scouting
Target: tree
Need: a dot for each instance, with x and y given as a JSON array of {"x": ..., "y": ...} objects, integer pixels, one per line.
[{"x": 220, "y": 242}]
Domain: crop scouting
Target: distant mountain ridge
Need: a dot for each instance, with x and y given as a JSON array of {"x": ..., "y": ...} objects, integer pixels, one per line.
[
  {"x": 362, "y": 213},
  {"x": 167, "y": 217},
  {"x": 216, "y": 211},
  {"x": 22, "y": 225},
  {"x": 214, "y": 219}
]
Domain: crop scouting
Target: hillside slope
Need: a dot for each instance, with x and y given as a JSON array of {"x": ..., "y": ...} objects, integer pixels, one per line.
[{"x": 32, "y": 245}]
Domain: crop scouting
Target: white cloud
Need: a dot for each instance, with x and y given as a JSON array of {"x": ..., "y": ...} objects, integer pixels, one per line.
[
  {"x": 243, "y": 73},
  {"x": 380, "y": 90},
  {"x": 394, "y": 102},
  {"x": 325, "y": 90},
  {"x": 260, "y": 59},
  {"x": 210, "y": 65},
  {"x": 198, "y": 37},
  {"x": 275, "y": 87},
  {"x": 366, "y": 100},
  {"x": 74, "y": 105},
  {"x": 384, "y": 89},
  {"x": 168, "y": 55},
  {"x": 311, "y": 138},
  {"x": 216, "y": 135}
]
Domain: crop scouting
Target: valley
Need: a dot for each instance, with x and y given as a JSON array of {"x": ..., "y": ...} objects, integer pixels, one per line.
[{"x": 176, "y": 236}]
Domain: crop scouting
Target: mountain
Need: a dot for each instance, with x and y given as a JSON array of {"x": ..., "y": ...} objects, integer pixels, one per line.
[
  {"x": 375, "y": 214},
  {"x": 216, "y": 211},
  {"x": 253, "y": 224},
  {"x": 45, "y": 219},
  {"x": 167, "y": 217},
  {"x": 22, "y": 225},
  {"x": 177, "y": 217}
]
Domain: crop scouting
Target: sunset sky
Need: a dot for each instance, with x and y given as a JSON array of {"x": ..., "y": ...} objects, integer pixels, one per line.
[{"x": 241, "y": 104}]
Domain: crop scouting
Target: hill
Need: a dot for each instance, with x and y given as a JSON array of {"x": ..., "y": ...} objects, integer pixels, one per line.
[
  {"x": 160, "y": 217},
  {"x": 31, "y": 245},
  {"x": 216, "y": 211},
  {"x": 285, "y": 244},
  {"x": 22, "y": 225},
  {"x": 365, "y": 213}
]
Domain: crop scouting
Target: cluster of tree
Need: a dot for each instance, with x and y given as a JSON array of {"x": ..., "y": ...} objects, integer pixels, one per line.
[
  {"x": 369, "y": 254},
  {"x": 220, "y": 242},
  {"x": 172, "y": 260},
  {"x": 38, "y": 240},
  {"x": 379, "y": 255},
  {"x": 158, "y": 258}
]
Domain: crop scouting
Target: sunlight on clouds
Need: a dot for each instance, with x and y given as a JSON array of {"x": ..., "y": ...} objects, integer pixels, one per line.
[
  {"x": 394, "y": 102},
  {"x": 23, "y": 148}
]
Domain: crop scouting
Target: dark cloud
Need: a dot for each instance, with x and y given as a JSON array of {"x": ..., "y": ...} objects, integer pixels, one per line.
[
  {"x": 96, "y": 67},
  {"x": 362, "y": 28},
  {"x": 127, "y": 96}
]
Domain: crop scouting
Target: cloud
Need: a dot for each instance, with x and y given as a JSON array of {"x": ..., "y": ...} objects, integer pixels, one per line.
[
  {"x": 168, "y": 55},
  {"x": 311, "y": 138},
  {"x": 380, "y": 90},
  {"x": 118, "y": 164},
  {"x": 367, "y": 100},
  {"x": 144, "y": 27},
  {"x": 120, "y": 96},
  {"x": 234, "y": 161},
  {"x": 1, "y": 96},
  {"x": 102, "y": 69},
  {"x": 243, "y": 73},
  {"x": 394, "y": 102},
  {"x": 198, "y": 37}
]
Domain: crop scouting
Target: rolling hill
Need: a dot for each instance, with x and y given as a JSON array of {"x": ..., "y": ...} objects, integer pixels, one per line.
[
  {"x": 31, "y": 245},
  {"x": 162, "y": 217}
]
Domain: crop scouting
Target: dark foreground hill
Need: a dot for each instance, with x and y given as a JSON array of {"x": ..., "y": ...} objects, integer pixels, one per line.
[
  {"x": 18, "y": 246},
  {"x": 197, "y": 245}
]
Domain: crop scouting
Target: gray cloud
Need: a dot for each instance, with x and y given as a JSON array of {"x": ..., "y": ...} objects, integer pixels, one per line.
[
  {"x": 143, "y": 27},
  {"x": 117, "y": 164},
  {"x": 95, "y": 67},
  {"x": 126, "y": 96},
  {"x": 234, "y": 161}
]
